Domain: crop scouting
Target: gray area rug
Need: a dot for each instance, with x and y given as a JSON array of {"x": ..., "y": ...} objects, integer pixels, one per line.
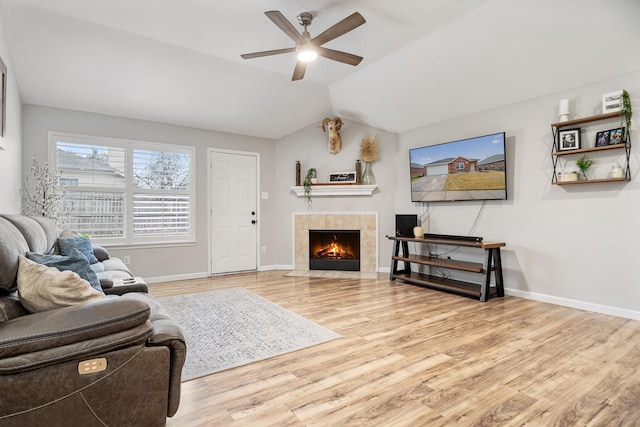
[{"x": 233, "y": 327}]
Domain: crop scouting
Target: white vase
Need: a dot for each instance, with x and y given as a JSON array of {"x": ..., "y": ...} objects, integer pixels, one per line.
[
  {"x": 418, "y": 232},
  {"x": 616, "y": 171}
]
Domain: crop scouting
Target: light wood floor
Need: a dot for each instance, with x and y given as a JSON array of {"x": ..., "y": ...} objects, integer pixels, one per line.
[{"x": 411, "y": 356}]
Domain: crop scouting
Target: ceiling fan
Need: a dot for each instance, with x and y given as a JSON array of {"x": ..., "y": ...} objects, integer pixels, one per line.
[{"x": 310, "y": 48}]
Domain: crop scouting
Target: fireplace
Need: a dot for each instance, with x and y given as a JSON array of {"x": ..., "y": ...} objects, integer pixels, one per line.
[
  {"x": 334, "y": 250},
  {"x": 365, "y": 222}
]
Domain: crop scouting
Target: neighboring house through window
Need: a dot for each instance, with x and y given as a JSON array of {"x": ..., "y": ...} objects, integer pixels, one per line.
[
  {"x": 126, "y": 192},
  {"x": 69, "y": 182}
]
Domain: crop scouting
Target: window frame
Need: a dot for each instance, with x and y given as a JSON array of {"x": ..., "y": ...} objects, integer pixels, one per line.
[{"x": 129, "y": 190}]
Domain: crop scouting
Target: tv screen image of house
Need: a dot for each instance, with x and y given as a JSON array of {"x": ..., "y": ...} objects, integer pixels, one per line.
[{"x": 468, "y": 169}]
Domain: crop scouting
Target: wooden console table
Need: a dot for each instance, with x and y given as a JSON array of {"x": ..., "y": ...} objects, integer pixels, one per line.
[{"x": 492, "y": 263}]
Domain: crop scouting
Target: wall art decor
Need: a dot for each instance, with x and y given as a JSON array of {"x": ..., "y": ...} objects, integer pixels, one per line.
[{"x": 569, "y": 139}]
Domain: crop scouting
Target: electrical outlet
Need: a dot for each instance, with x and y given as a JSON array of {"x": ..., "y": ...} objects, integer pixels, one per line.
[
  {"x": 263, "y": 249},
  {"x": 126, "y": 259}
]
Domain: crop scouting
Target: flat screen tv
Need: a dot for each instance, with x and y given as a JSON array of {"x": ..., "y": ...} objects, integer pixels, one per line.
[{"x": 468, "y": 169}]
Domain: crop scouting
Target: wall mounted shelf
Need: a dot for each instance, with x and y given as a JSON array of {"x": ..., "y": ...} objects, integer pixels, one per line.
[
  {"x": 589, "y": 119},
  {"x": 625, "y": 147},
  {"x": 320, "y": 190},
  {"x": 590, "y": 181},
  {"x": 589, "y": 150}
]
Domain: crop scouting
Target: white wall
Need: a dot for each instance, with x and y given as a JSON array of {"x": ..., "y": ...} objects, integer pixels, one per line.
[
  {"x": 309, "y": 145},
  {"x": 573, "y": 245},
  {"x": 10, "y": 144},
  {"x": 167, "y": 262}
]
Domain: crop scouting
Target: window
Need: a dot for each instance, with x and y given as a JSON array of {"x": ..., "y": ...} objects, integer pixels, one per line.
[
  {"x": 126, "y": 192},
  {"x": 459, "y": 165}
]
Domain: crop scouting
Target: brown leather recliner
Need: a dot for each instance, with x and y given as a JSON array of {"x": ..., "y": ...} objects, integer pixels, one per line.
[{"x": 116, "y": 361}]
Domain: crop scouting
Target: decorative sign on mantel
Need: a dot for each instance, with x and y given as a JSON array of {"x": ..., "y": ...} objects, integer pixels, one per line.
[
  {"x": 319, "y": 190},
  {"x": 342, "y": 177}
]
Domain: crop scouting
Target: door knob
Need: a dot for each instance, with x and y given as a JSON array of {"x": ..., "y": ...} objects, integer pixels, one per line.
[
  {"x": 253, "y": 213},
  {"x": 253, "y": 221}
]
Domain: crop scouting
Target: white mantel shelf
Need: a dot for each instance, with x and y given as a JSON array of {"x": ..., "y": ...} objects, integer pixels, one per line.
[{"x": 336, "y": 190}]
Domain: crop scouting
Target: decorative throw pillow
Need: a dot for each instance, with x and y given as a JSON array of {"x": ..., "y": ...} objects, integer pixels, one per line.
[
  {"x": 81, "y": 243},
  {"x": 43, "y": 288},
  {"x": 100, "y": 253},
  {"x": 68, "y": 233},
  {"x": 75, "y": 262}
]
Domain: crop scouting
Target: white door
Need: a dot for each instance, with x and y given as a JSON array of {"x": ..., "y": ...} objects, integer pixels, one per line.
[{"x": 234, "y": 213}]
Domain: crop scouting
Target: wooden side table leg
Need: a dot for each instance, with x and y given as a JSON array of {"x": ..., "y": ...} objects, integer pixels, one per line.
[
  {"x": 498, "y": 273},
  {"x": 405, "y": 253},
  {"x": 486, "y": 284},
  {"x": 394, "y": 262}
]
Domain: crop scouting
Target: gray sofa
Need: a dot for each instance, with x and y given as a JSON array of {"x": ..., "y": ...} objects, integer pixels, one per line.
[
  {"x": 112, "y": 361},
  {"x": 111, "y": 271}
]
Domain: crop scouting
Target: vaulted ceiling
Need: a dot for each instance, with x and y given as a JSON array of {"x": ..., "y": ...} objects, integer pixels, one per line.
[{"x": 178, "y": 61}]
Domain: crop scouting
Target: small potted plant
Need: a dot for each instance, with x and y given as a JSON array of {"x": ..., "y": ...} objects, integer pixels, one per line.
[
  {"x": 308, "y": 180},
  {"x": 626, "y": 106},
  {"x": 583, "y": 163}
]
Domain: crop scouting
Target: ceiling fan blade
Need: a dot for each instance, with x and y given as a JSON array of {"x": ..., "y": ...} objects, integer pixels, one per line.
[
  {"x": 267, "y": 53},
  {"x": 336, "y": 55},
  {"x": 342, "y": 27},
  {"x": 298, "y": 72},
  {"x": 284, "y": 24}
]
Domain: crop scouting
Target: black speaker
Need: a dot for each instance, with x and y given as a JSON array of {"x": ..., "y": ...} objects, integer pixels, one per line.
[{"x": 405, "y": 224}]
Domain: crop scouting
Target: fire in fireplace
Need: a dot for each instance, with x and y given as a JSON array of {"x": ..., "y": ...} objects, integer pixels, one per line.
[{"x": 334, "y": 250}]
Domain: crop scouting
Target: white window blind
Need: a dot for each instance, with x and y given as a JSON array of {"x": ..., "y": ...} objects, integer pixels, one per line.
[{"x": 126, "y": 191}]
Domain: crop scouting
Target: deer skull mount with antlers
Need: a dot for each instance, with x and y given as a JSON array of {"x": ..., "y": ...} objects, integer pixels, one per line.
[{"x": 335, "y": 141}]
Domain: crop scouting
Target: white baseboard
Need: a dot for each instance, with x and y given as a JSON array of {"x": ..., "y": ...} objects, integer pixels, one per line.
[
  {"x": 275, "y": 267},
  {"x": 188, "y": 276},
  {"x": 160, "y": 279},
  {"x": 384, "y": 270},
  {"x": 581, "y": 305}
]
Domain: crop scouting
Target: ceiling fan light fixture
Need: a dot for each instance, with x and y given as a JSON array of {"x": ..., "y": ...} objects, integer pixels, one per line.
[
  {"x": 307, "y": 49},
  {"x": 307, "y": 53}
]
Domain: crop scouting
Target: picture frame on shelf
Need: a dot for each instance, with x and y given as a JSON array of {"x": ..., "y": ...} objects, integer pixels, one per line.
[
  {"x": 348, "y": 177},
  {"x": 616, "y": 136},
  {"x": 569, "y": 139},
  {"x": 602, "y": 138}
]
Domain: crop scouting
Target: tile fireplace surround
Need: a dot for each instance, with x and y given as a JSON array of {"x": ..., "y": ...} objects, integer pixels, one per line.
[{"x": 366, "y": 222}]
